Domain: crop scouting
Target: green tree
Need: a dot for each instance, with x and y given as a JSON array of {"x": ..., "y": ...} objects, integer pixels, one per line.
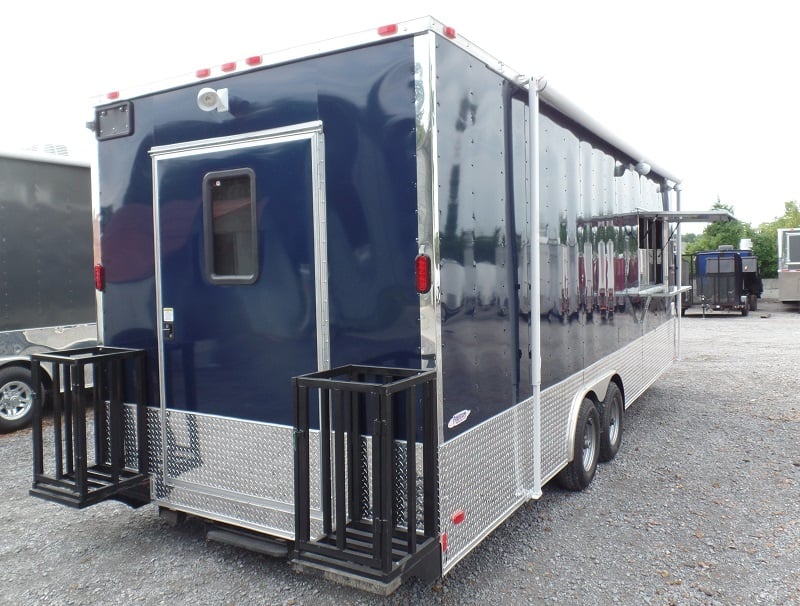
[
  {"x": 719, "y": 233},
  {"x": 765, "y": 240}
]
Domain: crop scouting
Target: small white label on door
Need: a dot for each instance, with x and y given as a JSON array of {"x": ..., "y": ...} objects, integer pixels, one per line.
[{"x": 169, "y": 314}]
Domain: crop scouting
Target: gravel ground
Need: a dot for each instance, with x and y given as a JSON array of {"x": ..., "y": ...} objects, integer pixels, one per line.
[{"x": 700, "y": 507}]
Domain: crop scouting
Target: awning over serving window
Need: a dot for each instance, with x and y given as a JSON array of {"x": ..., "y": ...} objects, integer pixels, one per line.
[{"x": 681, "y": 216}]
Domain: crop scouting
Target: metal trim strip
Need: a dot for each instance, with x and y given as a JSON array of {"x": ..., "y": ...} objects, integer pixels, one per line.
[
  {"x": 427, "y": 210},
  {"x": 319, "y": 210},
  {"x": 237, "y": 141}
]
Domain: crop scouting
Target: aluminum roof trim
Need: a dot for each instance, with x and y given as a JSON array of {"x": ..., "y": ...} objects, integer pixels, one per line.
[{"x": 558, "y": 101}]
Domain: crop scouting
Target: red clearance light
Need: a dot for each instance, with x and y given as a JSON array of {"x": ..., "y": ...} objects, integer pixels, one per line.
[
  {"x": 422, "y": 271},
  {"x": 99, "y": 277},
  {"x": 387, "y": 30},
  {"x": 203, "y": 73},
  {"x": 253, "y": 60},
  {"x": 229, "y": 67},
  {"x": 113, "y": 95},
  {"x": 444, "y": 542},
  {"x": 458, "y": 516},
  {"x": 450, "y": 32}
]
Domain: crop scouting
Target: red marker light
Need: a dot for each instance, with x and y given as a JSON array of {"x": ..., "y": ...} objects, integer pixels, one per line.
[
  {"x": 458, "y": 516},
  {"x": 99, "y": 277},
  {"x": 444, "y": 542},
  {"x": 253, "y": 60},
  {"x": 113, "y": 95},
  {"x": 203, "y": 73},
  {"x": 422, "y": 271},
  {"x": 229, "y": 67},
  {"x": 450, "y": 32},
  {"x": 387, "y": 30}
]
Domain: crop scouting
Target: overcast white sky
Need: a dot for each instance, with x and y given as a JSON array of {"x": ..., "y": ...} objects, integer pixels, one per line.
[{"x": 708, "y": 89}]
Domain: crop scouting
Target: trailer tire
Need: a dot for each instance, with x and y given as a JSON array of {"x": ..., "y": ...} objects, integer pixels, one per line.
[
  {"x": 578, "y": 474},
  {"x": 612, "y": 411},
  {"x": 753, "y": 301},
  {"x": 16, "y": 398},
  {"x": 745, "y": 308}
]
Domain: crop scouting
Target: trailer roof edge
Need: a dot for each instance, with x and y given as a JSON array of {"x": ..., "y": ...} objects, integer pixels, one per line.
[
  {"x": 554, "y": 98},
  {"x": 366, "y": 37}
]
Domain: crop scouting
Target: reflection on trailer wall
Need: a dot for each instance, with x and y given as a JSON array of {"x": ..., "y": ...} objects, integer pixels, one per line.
[
  {"x": 477, "y": 241},
  {"x": 596, "y": 256},
  {"x": 593, "y": 260}
]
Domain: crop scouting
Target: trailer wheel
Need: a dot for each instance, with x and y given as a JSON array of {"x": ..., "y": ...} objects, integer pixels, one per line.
[
  {"x": 16, "y": 398},
  {"x": 753, "y": 301},
  {"x": 579, "y": 473},
  {"x": 611, "y": 413}
]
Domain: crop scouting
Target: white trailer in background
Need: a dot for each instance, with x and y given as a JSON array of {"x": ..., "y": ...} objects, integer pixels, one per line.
[{"x": 789, "y": 265}]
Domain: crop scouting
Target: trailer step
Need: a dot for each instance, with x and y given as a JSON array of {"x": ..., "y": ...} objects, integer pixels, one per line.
[{"x": 251, "y": 541}]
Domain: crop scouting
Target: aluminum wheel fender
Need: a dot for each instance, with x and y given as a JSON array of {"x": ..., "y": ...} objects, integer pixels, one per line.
[{"x": 598, "y": 386}]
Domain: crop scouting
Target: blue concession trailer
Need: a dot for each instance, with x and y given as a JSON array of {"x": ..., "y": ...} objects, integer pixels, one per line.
[
  {"x": 726, "y": 279},
  {"x": 359, "y": 301}
]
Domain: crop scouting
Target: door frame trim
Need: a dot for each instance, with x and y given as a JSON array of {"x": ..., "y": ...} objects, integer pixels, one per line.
[{"x": 313, "y": 132}]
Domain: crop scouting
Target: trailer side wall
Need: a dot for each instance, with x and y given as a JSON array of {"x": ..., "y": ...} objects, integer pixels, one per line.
[{"x": 604, "y": 281}]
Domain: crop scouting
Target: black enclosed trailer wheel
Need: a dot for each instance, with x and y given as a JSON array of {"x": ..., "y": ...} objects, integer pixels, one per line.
[
  {"x": 578, "y": 474},
  {"x": 16, "y": 398},
  {"x": 611, "y": 412}
]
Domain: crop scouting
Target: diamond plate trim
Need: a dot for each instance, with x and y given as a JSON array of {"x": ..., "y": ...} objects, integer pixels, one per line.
[{"x": 238, "y": 472}]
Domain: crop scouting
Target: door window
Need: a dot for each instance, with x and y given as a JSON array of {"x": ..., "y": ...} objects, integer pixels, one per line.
[{"x": 229, "y": 212}]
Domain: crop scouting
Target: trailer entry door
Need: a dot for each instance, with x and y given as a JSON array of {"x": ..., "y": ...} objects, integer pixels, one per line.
[{"x": 241, "y": 297}]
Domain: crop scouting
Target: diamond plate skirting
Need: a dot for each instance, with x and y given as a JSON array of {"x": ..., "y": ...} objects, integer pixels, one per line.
[
  {"x": 488, "y": 471},
  {"x": 242, "y": 473},
  {"x": 232, "y": 471}
]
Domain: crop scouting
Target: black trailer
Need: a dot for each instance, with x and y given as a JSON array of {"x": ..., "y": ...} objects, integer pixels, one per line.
[
  {"x": 725, "y": 280},
  {"x": 47, "y": 297}
]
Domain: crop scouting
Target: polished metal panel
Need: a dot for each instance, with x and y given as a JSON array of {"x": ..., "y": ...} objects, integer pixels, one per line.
[
  {"x": 427, "y": 201},
  {"x": 480, "y": 352}
]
